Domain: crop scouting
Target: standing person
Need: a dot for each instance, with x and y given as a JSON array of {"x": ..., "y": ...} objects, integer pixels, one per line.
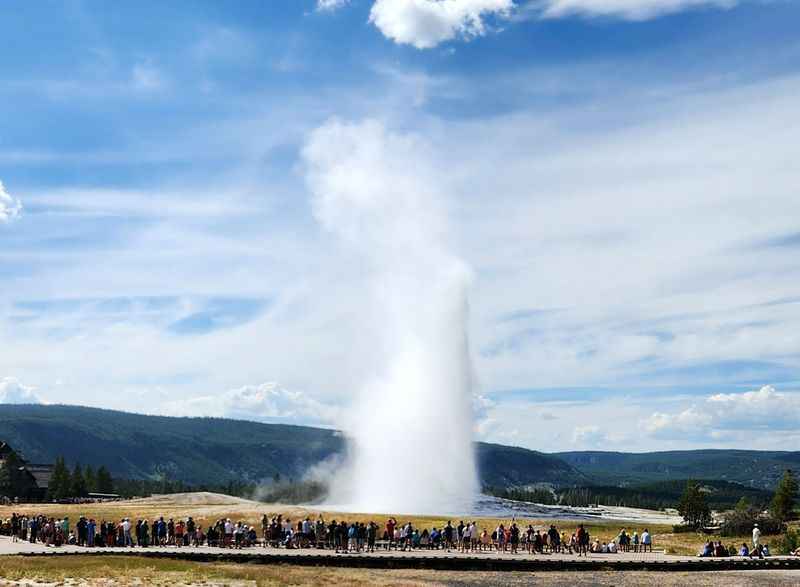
[
  {"x": 190, "y": 531},
  {"x": 757, "y": 548},
  {"x": 391, "y": 523},
  {"x": 448, "y": 535},
  {"x": 514, "y": 538},
  {"x": 583, "y": 540},
  {"x": 647, "y": 541},
  {"x": 91, "y": 529},
  {"x": 126, "y": 533},
  {"x": 228, "y": 538},
  {"x": 372, "y": 531},
  {"x": 162, "y": 531}
]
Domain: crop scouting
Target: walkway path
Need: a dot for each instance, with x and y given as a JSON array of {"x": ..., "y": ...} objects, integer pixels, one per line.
[{"x": 431, "y": 559}]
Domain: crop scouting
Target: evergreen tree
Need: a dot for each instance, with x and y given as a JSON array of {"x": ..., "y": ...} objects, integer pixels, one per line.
[
  {"x": 8, "y": 474},
  {"x": 91, "y": 479},
  {"x": 78, "y": 482},
  {"x": 105, "y": 484},
  {"x": 783, "y": 503},
  {"x": 5, "y": 480},
  {"x": 693, "y": 507},
  {"x": 59, "y": 486}
]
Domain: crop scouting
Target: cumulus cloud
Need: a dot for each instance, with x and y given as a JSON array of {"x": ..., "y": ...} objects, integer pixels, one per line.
[
  {"x": 625, "y": 9},
  {"x": 331, "y": 5},
  {"x": 590, "y": 436},
  {"x": 684, "y": 422},
  {"x": 265, "y": 402},
  {"x": 723, "y": 413},
  {"x": 426, "y": 23},
  {"x": 12, "y": 391},
  {"x": 10, "y": 207}
]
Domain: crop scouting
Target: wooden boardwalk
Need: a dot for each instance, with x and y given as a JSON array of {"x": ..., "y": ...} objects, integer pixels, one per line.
[{"x": 434, "y": 560}]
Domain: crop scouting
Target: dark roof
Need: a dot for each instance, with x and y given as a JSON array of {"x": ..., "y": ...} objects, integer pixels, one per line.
[
  {"x": 41, "y": 474},
  {"x": 4, "y": 448}
]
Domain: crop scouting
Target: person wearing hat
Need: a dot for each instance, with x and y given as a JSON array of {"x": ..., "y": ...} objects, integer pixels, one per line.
[{"x": 757, "y": 548}]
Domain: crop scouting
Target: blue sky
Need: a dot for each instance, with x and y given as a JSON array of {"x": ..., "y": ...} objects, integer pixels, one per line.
[{"x": 620, "y": 175}]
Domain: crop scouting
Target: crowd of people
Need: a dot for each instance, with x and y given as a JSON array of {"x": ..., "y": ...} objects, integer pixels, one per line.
[{"x": 340, "y": 536}]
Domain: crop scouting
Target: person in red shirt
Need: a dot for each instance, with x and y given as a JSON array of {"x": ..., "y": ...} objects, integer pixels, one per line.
[{"x": 390, "y": 525}]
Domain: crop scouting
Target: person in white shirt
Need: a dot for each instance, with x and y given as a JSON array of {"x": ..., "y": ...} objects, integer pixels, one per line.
[
  {"x": 126, "y": 532},
  {"x": 647, "y": 541},
  {"x": 756, "y": 536}
]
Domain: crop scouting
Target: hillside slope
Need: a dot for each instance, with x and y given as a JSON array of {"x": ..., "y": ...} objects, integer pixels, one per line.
[
  {"x": 217, "y": 450},
  {"x": 194, "y": 450}
]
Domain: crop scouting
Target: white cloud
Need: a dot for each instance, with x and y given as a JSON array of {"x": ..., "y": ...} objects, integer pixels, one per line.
[
  {"x": 626, "y": 9},
  {"x": 688, "y": 422},
  {"x": 729, "y": 413},
  {"x": 13, "y": 391},
  {"x": 426, "y": 23},
  {"x": 331, "y": 5},
  {"x": 267, "y": 402},
  {"x": 10, "y": 207},
  {"x": 590, "y": 436}
]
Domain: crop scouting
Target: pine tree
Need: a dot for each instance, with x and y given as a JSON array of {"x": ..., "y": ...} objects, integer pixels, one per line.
[
  {"x": 78, "y": 482},
  {"x": 105, "y": 484},
  {"x": 9, "y": 475},
  {"x": 783, "y": 502},
  {"x": 59, "y": 486},
  {"x": 91, "y": 479},
  {"x": 693, "y": 506}
]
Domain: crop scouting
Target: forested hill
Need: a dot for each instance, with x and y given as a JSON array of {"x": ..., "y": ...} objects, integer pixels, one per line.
[
  {"x": 207, "y": 451},
  {"x": 754, "y": 468},
  {"x": 193, "y": 450},
  {"x": 214, "y": 451}
]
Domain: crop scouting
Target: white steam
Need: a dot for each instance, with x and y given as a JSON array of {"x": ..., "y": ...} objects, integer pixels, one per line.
[{"x": 411, "y": 429}]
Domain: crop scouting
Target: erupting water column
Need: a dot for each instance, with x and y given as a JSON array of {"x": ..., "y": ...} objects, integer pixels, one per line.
[{"x": 411, "y": 429}]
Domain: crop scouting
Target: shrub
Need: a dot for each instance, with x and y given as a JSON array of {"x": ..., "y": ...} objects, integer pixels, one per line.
[
  {"x": 740, "y": 523},
  {"x": 786, "y": 543}
]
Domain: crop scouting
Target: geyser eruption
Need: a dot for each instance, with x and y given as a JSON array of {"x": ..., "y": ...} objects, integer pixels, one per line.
[{"x": 411, "y": 426}]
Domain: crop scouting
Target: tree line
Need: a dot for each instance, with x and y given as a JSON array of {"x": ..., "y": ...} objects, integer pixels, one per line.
[
  {"x": 79, "y": 482},
  {"x": 696, "y": 512}
]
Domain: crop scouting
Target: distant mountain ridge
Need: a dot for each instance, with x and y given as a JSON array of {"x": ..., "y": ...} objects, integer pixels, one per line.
[
  {"x": 754, "y": 468},
  {"x": 218, "y": 450}
]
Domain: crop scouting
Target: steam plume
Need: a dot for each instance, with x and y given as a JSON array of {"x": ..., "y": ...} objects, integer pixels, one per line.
[{"x": 412, "y": 422}]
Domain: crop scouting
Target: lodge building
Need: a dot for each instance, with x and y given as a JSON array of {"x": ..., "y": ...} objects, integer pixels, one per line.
[{"x": 24, "y": 480}]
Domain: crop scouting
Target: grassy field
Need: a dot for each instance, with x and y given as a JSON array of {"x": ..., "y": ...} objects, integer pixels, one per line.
[
  {"x": 206, "y": 508},
  {"x": 94, "y": 571}
]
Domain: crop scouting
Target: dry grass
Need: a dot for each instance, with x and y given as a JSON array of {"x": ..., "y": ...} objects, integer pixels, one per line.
[
  {"x": 100, "y": 571},
  {"x": 206, "y": 508}
]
